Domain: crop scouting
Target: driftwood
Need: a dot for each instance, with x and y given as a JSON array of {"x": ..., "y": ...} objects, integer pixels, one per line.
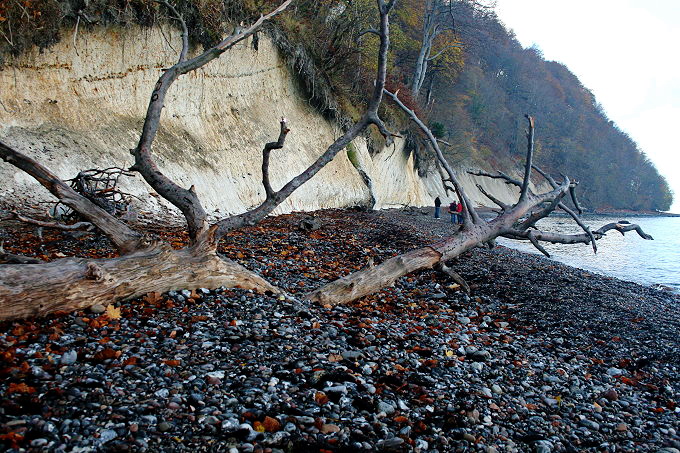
[
  {"x": 101, "y": 187},
  {"x": 124, "y": 238},
  {"x": 516, "y": 222},
  {"x": 145, "y": 264},
  {"x": 73, "y": 283},
  {"x": 46, "y": 224}
]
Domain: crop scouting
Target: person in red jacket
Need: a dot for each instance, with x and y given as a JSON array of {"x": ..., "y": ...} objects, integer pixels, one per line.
[
  {"x": 459, "y": 213},
  {"x": 452, "y": 211},
  {"x": 456, "y": 209}
]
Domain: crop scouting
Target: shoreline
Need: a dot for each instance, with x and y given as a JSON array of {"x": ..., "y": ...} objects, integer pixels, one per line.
[
  {"x": 632, "y": 213},
  {"x": 604, "y": 213},
  {"x": 541, "y": 356},
  {"x": 427, "y": 221}
]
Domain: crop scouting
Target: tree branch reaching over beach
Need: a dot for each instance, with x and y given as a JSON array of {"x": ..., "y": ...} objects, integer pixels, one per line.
[
  {"x": 147, "y": 265},
  {"x": 517, "y": 221}
]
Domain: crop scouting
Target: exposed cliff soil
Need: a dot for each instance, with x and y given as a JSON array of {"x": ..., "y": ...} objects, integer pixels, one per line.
[{"x": 80, "y": 105}]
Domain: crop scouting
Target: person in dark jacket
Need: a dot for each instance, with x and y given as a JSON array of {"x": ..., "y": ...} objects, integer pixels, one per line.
[
  {"x": 437, "y": 207},
  {"x": 456, "y": 211},
  {"x": 452, "y": 210}
]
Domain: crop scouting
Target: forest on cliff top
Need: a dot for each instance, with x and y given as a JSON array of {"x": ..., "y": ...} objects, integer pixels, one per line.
[{"x": 453, "y": 61}]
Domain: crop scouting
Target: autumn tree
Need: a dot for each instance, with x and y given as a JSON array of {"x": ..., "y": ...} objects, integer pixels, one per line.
[
  {"x": 429, "y": 36},
  {"x": 500, "y": 81}
]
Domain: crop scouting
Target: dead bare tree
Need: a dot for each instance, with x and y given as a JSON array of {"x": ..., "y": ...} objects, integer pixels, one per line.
[
  {"x": 438, "y": 19},
  {"x": 517, "y": 221},
  {"x": 144, "y": 264}
]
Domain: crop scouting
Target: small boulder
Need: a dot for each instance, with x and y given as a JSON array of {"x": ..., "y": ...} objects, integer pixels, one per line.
[{"x": 97, "y": 309}]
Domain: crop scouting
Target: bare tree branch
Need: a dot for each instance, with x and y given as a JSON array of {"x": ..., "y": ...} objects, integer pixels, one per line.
[
  {"x": 185, "y": 31},
  {"x": 371, "y": 31},
  {"x": 547, "y": 210},
  {"x": 455, "y": 276},
  {"x": 548, "y": 178},
  {"x": 186, "y": 200},
  {"x": 495, "y": 200},
  {"x": 580, "y": 223},
  {"x": 470, "y": 215},
  {"x": 369, "y": 117},
  {"x": 265, "y": 157},
  {"x": 439, "y": 54},
  {"x": 572, "y": 192},
  {"x": 568, "y": 210},
  {"x": 56, "y": 225},
  {"x": 583, "y": 238},
  {"x": 524, "y": 191},
  {"x": 499, "y": 175},
  {"x": 572, "y": 189},
  {"x": 386, "y": 133},
  {"x": 532, "y": 237},
  {"x": 623, "y": 227}
]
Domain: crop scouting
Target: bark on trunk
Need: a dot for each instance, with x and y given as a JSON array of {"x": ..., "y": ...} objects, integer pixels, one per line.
[
  {"x": 372, "y": 279},
  {"x": 77, "y": 283}
]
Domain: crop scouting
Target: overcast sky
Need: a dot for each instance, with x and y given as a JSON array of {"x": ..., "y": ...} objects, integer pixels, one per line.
[{"x": 626, "y": 53}]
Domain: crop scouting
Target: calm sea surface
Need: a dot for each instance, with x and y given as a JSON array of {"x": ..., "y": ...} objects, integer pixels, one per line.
[{"x": 628, "y": 258}]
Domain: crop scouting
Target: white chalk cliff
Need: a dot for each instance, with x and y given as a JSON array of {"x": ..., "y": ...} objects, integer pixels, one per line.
[{"x": 80, "y": 105}]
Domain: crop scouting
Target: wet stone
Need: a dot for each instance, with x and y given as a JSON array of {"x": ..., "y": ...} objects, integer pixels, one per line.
[
  {"x": 390, "y": 443},
  {"x": 107, "y": 435},
  {"x": 97, "y": 309},
  {"x": 386, "y": 408},
  {"x": 39, "y": 443},
  {"x": 590, "y": 424},
  {"x": 232, "y": 370},
  {"x": 68, "y": 358}
]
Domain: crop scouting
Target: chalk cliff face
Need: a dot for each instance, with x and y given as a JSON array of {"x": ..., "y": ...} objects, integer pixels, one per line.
[{"x": 81, "y": 104}]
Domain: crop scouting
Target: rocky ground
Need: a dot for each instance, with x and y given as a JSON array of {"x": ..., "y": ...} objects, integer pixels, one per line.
[{"x": 540, "y": 357}]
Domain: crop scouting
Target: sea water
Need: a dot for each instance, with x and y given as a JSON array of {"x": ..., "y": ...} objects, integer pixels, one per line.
[{"x": 629, "y": 258}]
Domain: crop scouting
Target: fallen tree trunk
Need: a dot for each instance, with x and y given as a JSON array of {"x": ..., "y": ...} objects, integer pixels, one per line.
[
  {"x": 74, "y": 283},
  {"x": 146, "y": 266},
  {"x": 372, "y": 279},
  {"x": 516, "y": 222}
]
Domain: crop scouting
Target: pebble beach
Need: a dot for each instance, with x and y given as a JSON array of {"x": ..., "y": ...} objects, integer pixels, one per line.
[{"x": 539, "y": 357}]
